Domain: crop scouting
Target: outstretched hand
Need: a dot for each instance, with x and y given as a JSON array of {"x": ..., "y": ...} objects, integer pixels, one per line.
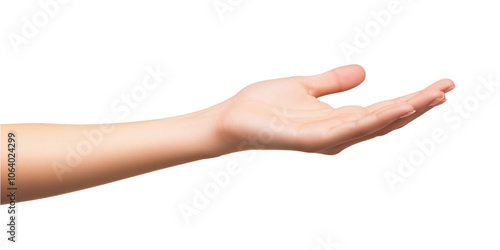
[
  {"x": 286, "y": 114},
  {"x": 275, "y": 114}
]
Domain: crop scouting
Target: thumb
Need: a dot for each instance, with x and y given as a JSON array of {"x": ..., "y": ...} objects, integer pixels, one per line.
[{"x": 335, "y": 80}]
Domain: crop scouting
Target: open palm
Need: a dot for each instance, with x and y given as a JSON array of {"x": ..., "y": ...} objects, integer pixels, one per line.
[{"x": 286, "y": 114}]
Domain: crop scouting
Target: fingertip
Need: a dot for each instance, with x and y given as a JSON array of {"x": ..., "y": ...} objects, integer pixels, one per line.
[
  {"x": 350, "y": 75},
  {"x": 360, "y": 71},
  {"x": 427, "y": 98},
  {"x": 449, "y": 83},
  {"x": 444, "y": 85},
  {"x": 403, "y": 110},
  {"x": 434, "y": 93},
  {"x": 409, "y": 107},
  {"x": 409, "y": 110},
  {"x": 335, "y": 80}
]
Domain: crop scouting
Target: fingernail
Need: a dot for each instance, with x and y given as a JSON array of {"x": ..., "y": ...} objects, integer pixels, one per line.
[
  {"x": 436, "y": 102},
  {"x": 449, "y": 89},
  {"x": 408, "y": 114}
]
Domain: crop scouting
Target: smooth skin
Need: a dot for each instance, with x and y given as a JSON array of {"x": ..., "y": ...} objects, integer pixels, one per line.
[{"x": 275, "y": 114}]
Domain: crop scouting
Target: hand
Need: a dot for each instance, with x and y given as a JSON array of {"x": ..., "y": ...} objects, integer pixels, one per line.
[{"x": 286, "y": 114}]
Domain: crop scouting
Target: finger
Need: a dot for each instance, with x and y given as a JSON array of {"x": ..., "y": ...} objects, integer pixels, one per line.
[
  {"x": 403, "y": 121},
  {"x": 391, "y": 127},
  {"x": 425, "y": 98},
  {"x": 444, "y": 85},
  {"x": 420, "y": 111},
  {"x": 368, "y": 124},
  {"x": 399, "y": 123},
  {"x": 335, "y": 80}
]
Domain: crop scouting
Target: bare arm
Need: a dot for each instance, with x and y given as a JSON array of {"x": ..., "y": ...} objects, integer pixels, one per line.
[{"x": 52, "y": 159}]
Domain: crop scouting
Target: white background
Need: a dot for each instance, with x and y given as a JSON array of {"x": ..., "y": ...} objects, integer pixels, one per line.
[{"x": 89, "y": 53}]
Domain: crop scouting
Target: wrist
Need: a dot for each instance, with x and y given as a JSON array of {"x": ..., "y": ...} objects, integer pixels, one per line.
[{"x": 205, "y": 129}]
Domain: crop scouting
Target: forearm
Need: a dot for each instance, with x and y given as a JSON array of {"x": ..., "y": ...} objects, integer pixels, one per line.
[{"x": 52, "y": 159}]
